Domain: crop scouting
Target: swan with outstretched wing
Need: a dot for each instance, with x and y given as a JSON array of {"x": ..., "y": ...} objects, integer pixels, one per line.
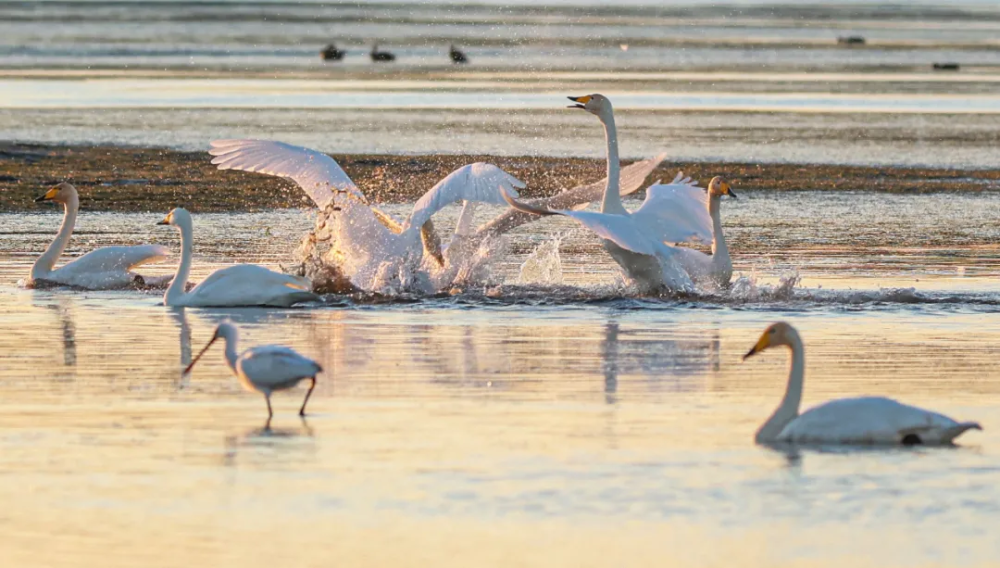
[
  {"x": 374, "y": 248},
  {"x": 640, "y": 241}
]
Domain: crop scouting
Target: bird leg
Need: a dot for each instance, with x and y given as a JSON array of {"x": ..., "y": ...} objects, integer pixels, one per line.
[
  {"x": 270, "y": 413},
  {"x": 312, "y": 385}
]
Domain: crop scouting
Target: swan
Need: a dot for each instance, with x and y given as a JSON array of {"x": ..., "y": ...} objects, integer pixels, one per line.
[
  {"x": 381, "y": 56},
  {"x": 715, "y": 268},
  {"x": 863, "y": 420},
  {"x": 671, "y": 213},
  {"x": 265, "y": 368},
  {"x": 106, "y": 268},
  {"x": 239, "y": 285},
  {"x": 375, "y": 250}
]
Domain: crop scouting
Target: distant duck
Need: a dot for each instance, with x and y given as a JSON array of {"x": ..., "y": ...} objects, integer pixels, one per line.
[
  {"x": 331, "y": 53},
  {"x": 456, "y": 55},
  {"x": 378, "y": 56},
  {"x": 946, "y": 66},
  {"x": 851, "y": 40}
]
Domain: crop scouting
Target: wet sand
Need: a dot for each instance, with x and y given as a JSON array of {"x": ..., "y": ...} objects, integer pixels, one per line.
[{"x": 112, "y": 178}]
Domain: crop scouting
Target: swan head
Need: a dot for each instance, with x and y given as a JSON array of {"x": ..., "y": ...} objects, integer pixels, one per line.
[
  {"x": 594, "y": 104},
  {"x": 178, "y": 217},
  {"x": 780, "y": 333},
  {"x": 719, "y": 186},
  {"x": 60, "y": 193}
]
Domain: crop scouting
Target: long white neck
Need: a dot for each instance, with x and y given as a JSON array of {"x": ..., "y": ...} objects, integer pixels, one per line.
[
  {"x": 231, "y": 339},
  {"x": 612, "y": 202},
  {"x": 176, "y": 290},
  {"x": 788, "y": 410},
  {"x": 47, "y": 261},
  {"x": 720, "y": 252}
]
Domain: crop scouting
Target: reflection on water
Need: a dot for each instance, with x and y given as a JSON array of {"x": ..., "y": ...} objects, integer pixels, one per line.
[{"x": 512, "y": 430}]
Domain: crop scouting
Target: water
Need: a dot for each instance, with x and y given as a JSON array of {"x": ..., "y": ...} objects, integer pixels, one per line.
[
  {"x": 536, "y": 428},
  {"x": 750, "y": 81}
]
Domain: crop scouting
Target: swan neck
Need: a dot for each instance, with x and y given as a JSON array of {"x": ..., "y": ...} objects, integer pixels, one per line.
[
  {"x": 788, "y": 410},
  {"x": 47, "y": 261},
  {"x": 176, "y": 290},
  {"x": 719, "y": 248},
  {"x": 612, "y": 202}
]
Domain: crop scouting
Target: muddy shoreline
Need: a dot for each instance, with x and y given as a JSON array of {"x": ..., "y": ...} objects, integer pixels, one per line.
[{"x": 113, "y": 178}]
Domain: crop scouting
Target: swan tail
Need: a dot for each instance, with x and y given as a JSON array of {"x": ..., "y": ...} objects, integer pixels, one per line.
[{"x": 957, "y": 430}]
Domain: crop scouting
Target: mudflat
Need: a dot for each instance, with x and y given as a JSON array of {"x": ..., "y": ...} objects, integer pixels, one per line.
[{"x": 115, "y": 178}]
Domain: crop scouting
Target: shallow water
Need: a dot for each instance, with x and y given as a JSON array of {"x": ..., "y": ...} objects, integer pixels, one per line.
[{"x": 550, "y": 426}]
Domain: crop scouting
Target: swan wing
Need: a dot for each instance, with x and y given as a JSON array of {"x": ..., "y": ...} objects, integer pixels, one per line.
[
  {"x": 249, "y": 285},
  {"x": 871, "y": 420},
  {"x": 276, "y": 366},
  {"x": 632, "y": 177},
  {"x": 316, "y": 173},
  {"x": 675, "y": 213},
  {"x": 478, "y": 182},
  {"x": 108, "y": 267}
]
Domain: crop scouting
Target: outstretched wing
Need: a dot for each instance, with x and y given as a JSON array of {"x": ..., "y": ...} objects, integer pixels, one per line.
[
  {"x": 631, "y": 180},
  {"x": 316, "y": 173},
  {"x": 619, "y": 229},
  {"x": 473, "y": 182},
  {"x": 675, "y": 213}
]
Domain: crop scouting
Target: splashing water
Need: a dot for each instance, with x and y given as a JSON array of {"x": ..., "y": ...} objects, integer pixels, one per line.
[{"x": 543, "y": 265}]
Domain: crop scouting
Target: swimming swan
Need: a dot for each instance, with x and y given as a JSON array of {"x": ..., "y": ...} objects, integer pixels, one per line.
[
  {"x": 715, "y": 268},
  {"x": 371, "y": 241},
  {"x": 106, "y": 268},
  {"x": 239, "y": 285},
  {"x": 864, "y": 420},
  {"x": 637, "y": 240}
]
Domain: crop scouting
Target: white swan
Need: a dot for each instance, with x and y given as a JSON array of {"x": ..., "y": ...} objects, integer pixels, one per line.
[
  {"x": 671, "y": 213},
  {"x": 106, "y": 268},
  {"x": 239, "y": 285},
  {"x": 375, "y": 251},
  {"x": 865, "y": 420},
  {"x": 715, "y": 268}
]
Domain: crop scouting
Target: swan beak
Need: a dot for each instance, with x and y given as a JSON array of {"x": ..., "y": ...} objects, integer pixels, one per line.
[
  {"x": 763, "y": 343},
  {"x": 166, "y": 220},
  {"x": 50, "y": 194},
  {"x": 580, "y": 102},
  {"x": 731, "y": 194}
]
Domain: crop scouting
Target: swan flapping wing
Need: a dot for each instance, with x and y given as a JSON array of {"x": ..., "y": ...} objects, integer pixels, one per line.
[
  {"x": 675, "y": 213},
  {"x": 316, "y": 173},
  {"x": 632, "y": 177},
  {"x": 478, "y": 182}
]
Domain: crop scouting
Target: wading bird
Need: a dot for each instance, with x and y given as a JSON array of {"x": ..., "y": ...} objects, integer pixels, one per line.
[
  {"x": 239, "y": 285},
  {"x": 863, "y": 420},
  {"x": 266, "y": 368},
  {"x": 106, "y": 268},
  {"x": 331, "y": 53},
  {"x": 381, "y": 56},
  {"x": 456, "y": 55}
]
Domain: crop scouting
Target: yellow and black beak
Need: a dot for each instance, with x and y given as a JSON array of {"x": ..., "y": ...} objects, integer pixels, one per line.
[
  {"x": 763, "y": 343},
  {"x": 580, "y": 102},
  {"x": 166, "y": 221},
  {"x": 730, "y": 193},
  {"x": 49, "y": 195}
]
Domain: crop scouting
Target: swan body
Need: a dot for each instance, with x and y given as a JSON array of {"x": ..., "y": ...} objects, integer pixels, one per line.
[
  {"x": 864, "y": 420},
  {"x": 671, "y": 213},
  {"x": 106, "y": 268},
  {"x": 239, "y": 285},
  {"x": 376, "y": 251},
  {"x": 266, "y": 368},
  {"x": 716, "y": 268}
]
